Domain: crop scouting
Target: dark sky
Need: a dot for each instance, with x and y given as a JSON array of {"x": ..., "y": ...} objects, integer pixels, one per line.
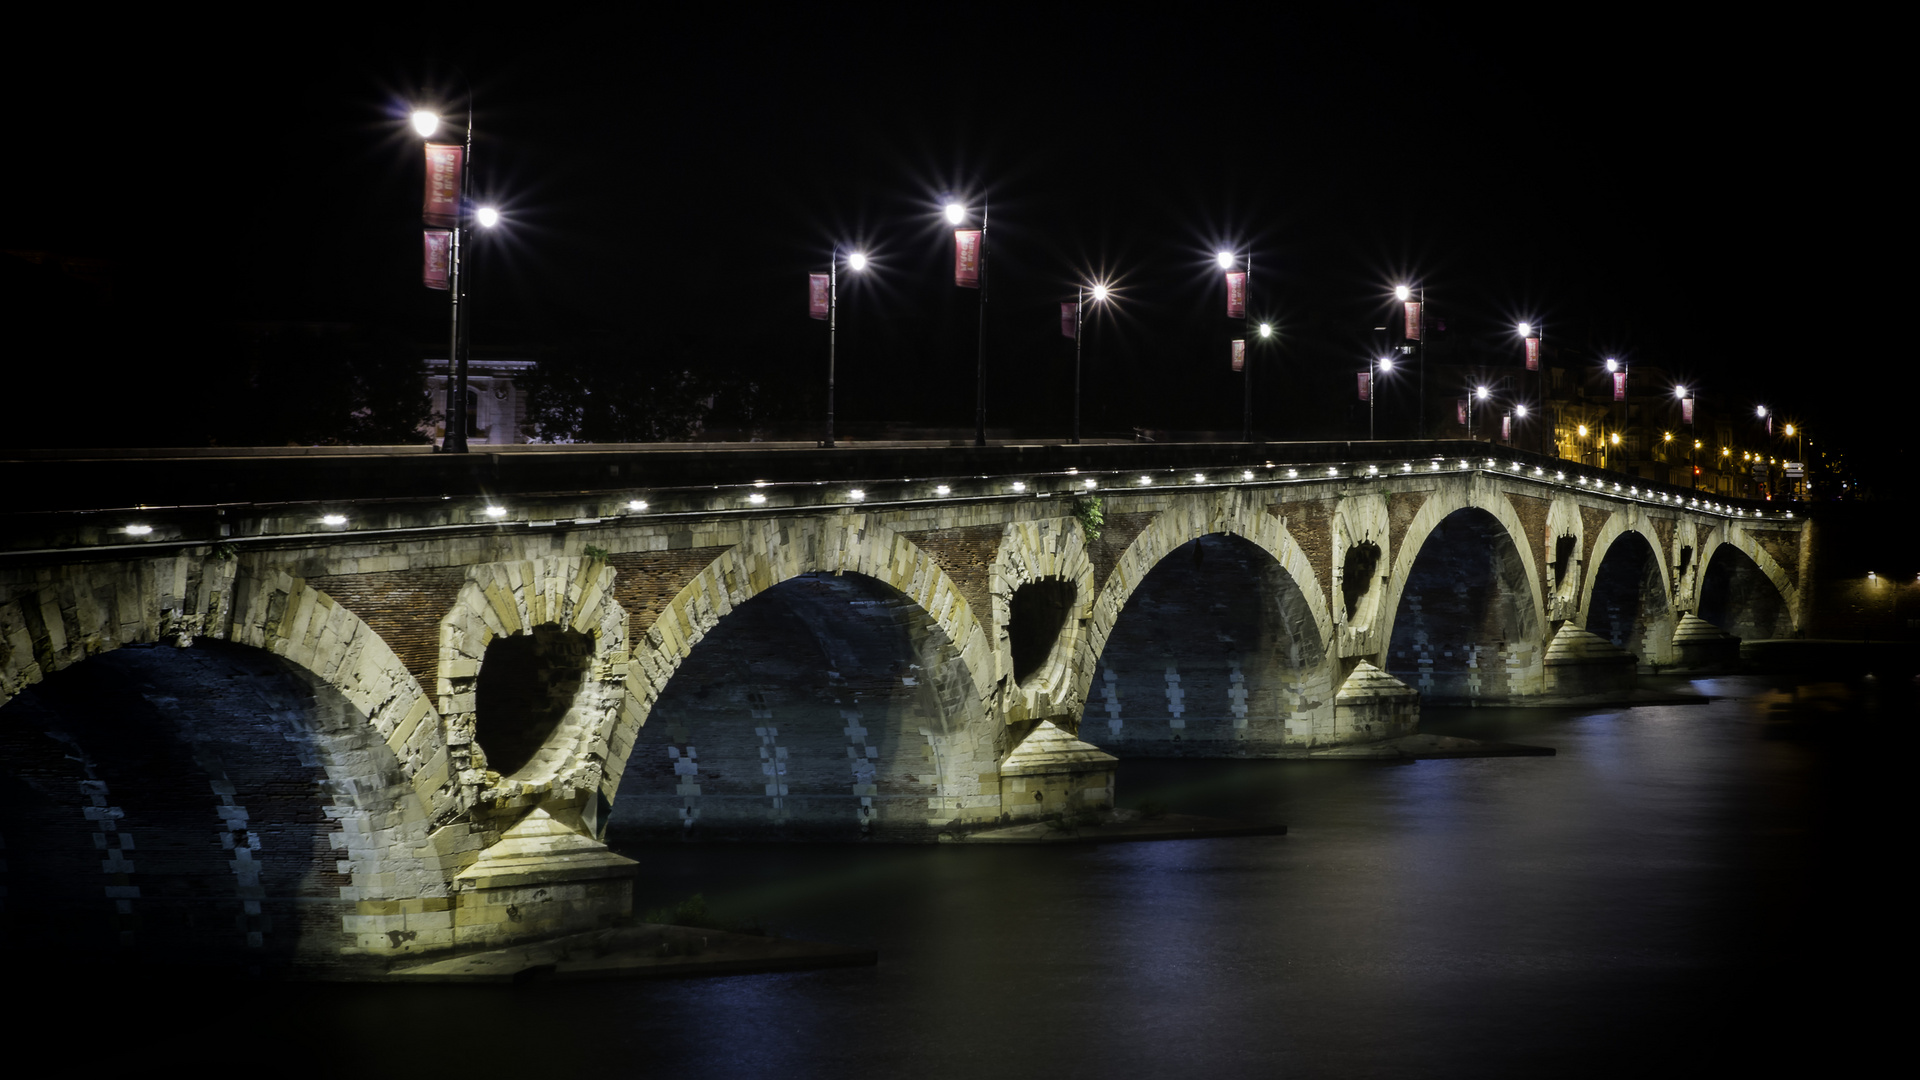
[{"x": 1702, "y": 196}]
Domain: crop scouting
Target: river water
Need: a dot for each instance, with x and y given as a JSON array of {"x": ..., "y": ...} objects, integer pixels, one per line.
[{"x": 1698, "y": 886}]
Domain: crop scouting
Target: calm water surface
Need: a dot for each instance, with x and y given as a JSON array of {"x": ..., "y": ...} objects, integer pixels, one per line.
[{"x": 1683, "y": 886}]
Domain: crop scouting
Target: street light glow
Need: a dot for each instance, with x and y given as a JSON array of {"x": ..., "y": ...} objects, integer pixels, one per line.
[
  {"x": 1520, "y": 411},
  {"x": 1612, "y": 364},
  {"x": 1100, "y": 294},
  {"x": 1386, "y": 363},
  {"x": 1525, "y": 329},
  {"x": 1760, "y": 411},
  {"x": 1481, "y": 393},
  {"x": 1680, "y": 391},
  {"x": 1266, "y": 329},
  {"x": 956, "y": 213},
  {"x": 1225, "y": 259},
  {"x": 857, "y": 261},
  {"x": 425, "y": 121},
  {"x": 1583, "y": 431},
  {"x": 487, "y": 216},
  {"x": 1401, "y": 292}
]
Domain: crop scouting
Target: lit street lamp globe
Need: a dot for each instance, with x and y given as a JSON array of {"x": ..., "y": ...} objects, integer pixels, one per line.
[{"x": 425, "y": 121}]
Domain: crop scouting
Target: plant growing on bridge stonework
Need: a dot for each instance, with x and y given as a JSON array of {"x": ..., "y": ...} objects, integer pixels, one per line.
[{"x": 1091, "y": 516}]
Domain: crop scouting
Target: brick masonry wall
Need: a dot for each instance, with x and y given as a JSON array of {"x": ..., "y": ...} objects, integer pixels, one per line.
[{"x": 404, "y": 607}]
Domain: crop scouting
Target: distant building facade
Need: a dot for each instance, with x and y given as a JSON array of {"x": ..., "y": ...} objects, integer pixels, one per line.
[{"x": 496, "y": 401}]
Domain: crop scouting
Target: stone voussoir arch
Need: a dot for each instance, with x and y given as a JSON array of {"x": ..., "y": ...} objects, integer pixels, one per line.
[
  {"x": 771, "y": 552},
  {"x": 1447, "y": 500},
  {"x": 1731, "y": 533},
  {"x": 1234, "y": 512},
  {"x": 514, "y": 597},
  {"x": 87, "y": 610},
  {"x": 1623, "y": 521}
]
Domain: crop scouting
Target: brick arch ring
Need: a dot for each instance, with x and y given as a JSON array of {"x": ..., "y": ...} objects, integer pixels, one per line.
[
  {"x": 1443, "y": 504},
  {"x": 770, "y": 553}
]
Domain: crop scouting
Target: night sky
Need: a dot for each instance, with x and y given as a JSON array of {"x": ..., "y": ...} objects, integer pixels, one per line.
[{"x": 1704, "y": 197}]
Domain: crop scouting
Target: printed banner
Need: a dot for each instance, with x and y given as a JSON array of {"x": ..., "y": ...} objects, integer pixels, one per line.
[
  {"x": 1686, "y": 410},
  {"x": 437, "y": 270},
  {"x": 819, "y": 296},
  {"x": 1236, "y": 294},
  {"x": 443, "y": 185},
  {"x": 1533, "y": 354},
  {"x": 1619, "y": 386},
  {"x": 1366, "y": 385},
  {"x": 966, "y": 258},
  {"x": 1413, "y": 320},
  {"x": 1239, "y": 354},
  {"x": 1461, "y": 411},
  {"x": 1506, "y": 427},
  {"x": 1069, "y": 320}
]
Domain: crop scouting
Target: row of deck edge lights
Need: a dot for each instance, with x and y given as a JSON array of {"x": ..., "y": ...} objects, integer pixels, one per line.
[{"x": 1020, "y": 487}]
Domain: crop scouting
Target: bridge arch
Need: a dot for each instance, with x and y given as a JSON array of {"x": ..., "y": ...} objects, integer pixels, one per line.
[
  {"x": 776, "y": 551},
  {"x": 1627, "y": 596},
  {"x": 1473, "y": 519},
  {"x": 233, "y": 803},
  {"x": 1186, "y": 520},
  {"x": 1784, "y": 603},
  {"x": 1042, "y": 601}
]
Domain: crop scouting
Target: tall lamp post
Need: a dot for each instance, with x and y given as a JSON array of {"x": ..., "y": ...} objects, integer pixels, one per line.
[
  {"x": 957, "y": 215},
  {"x": 1380, "y": 368},
  {"x": 828, "y": 307},
  {"x": 1415, "y": 330},
  {"x": 440, "y": 191},
  {"x": 1099, "y": 293},
  {"x": 1480, "y": 392},
  {"x": 1686, "y": 413},
  {"x": 1227, "y": 260}
]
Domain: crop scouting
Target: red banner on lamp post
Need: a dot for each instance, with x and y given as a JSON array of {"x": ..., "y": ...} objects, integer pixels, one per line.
[
  {"x": 1069, "y": 320},
  {"x": 1533, "y": 354},
  {"x": 819, "y": 296},
  {"x": 1236, "y": 294},
  {"x": 1619, "y": 386},
  {"x": 1506, "y": 427},
  {"x": 1686, "y": 410},
  {"x": 1239, "y": 354},
  {"x": 1460, "y": 411},
  {"x": 1366, "y": 385},
  {"x": 1413, "y": 320},
  {"x": 437, "y": 266},
  {"x": 443, "y": 185},
  {"x": 966, "y": 258}
]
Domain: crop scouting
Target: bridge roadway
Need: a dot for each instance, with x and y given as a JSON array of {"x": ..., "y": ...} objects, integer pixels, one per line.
[{"x": 366, "y": 704}]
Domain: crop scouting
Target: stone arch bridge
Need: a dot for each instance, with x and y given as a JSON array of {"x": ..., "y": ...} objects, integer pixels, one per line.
[{"x": 401, "y": 709}]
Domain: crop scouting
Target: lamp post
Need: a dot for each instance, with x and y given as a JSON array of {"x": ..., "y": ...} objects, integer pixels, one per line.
[
  {"x": 1687, "y": 405},
  {"x": 1381, "y": 367},
  {"x": 1100, "y": 293},
  {"x": 425, "y": 123},
  {"x": 856, "y": 262},
  {"x": 956, "y": 215},
  {"x": 1226, "y": 260},
  {"x": 1415, "y": 329},
  {"x": 1480, "y": 392}
]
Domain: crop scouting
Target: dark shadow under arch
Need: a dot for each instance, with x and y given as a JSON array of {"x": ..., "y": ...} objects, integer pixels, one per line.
[
  {"x": 1629, "y": 605},
  {"x": 184, "y": 806},
  {"x": 1216, "y": 652},
  {"x": 1738, "y": 597},
  {"x": 1466, "y": 618},
  {"x": 814, "y": 708}
]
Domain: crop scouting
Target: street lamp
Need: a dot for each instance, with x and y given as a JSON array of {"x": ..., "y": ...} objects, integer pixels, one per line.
[
  {"x": 1226, "y": 260},
  {"x": 1686, "y": 413},
  {"x": 1100, "y": 293},
  {"x": 1415, "y": 332},
  {"x": 956, "y": 214},
  {"x": 829, "y": 283},
  {"x": 1481, "y": 393},
  {"x": 441, "y": 192},
  {"x": 1382, "y": 366}
]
